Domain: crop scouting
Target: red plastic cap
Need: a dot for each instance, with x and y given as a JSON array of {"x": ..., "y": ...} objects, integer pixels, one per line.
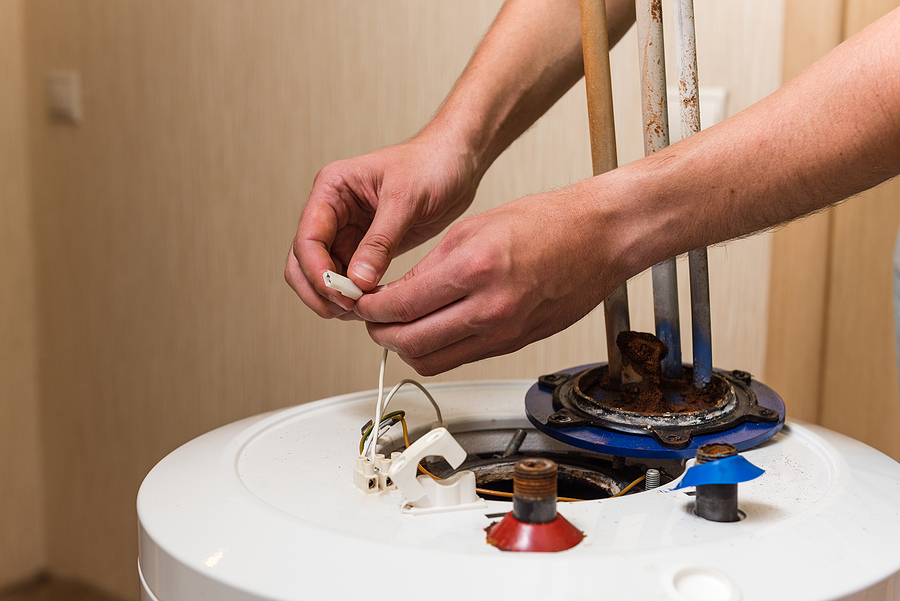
[{"x": 509, "y": 534}]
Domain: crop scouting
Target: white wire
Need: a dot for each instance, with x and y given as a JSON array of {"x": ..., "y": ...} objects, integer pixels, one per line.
[
  {"x": 381, "y": 407},
  {"x": 390, "y": 396},
  {"x": 376, "y": 425}
]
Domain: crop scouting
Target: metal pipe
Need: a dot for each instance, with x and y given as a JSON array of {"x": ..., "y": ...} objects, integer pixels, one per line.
[
  {"x": 655, "y": 113},
  {"x": 717, "y": 502},
  {"x": 698, "y": 264},
  {"x": 701, "y": 330},
  {"x": 595, "y": 43},
  {"x": 534, "y": 490}
]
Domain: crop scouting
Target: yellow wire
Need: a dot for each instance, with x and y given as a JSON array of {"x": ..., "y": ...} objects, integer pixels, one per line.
[
  {"x": 629, "y": 487},
  {"x": 368, "y": 432}
]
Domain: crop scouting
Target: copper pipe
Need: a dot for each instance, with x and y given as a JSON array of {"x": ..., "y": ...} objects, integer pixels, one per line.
[{"x": 595, "y": 42}]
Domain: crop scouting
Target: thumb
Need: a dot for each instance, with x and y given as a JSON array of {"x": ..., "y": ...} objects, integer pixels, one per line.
[{"x": 379, "y": 245}]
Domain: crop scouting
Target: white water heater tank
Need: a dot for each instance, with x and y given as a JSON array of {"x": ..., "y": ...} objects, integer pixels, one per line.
[{"x": 266, "y": 509}]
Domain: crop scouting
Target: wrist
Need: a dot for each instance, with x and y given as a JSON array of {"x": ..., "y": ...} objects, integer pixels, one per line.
[
  {"x": 634, "y": 222},
  {"x": 448, "y": 145}
]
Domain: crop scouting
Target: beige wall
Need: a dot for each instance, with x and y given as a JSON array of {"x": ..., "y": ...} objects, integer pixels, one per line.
[
  {"x": 164, "y": 218},
  {"x": 860, "y": 381},
  {"x": 21, "y": 507},
  {"x": 832, "y": 353}
]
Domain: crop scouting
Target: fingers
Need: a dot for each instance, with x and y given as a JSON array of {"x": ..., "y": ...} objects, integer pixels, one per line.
[
  {"x": 393, "y": 218},
  {"x": 448, "y": 338},
  {"x": 324, "y": 241},
  {"x": 434, "y": 283},
  {"x": 334, "y": 305}
]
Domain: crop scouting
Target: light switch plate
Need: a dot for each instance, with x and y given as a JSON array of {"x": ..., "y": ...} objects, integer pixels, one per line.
[{"x": 64, "y": 96}]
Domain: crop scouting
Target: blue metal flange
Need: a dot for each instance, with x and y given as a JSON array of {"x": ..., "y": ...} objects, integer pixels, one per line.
[{"x": 539, "y": 406}]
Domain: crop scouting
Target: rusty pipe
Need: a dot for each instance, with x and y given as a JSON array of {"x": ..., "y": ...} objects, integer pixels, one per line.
[
  {"x": 655, "y": 114},
  {"x": 595, "y": 43},
  {"x": 698, "y": 264}
]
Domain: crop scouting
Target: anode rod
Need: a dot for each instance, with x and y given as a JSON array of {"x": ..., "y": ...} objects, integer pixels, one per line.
[
  {"x": 595, "y": 43},
  {"x": 655, "y": 114},
  {"x": 698, "y": 264}
]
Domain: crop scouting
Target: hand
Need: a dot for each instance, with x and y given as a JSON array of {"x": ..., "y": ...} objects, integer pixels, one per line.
[
  {"x": 363, "y": 211},
  {"x": 497, "y": 282}
]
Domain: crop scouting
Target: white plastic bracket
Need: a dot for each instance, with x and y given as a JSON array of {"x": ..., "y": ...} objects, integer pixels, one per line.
[
  {"x": 372, "y": 477},
  {"x": 423, "y": 493}
]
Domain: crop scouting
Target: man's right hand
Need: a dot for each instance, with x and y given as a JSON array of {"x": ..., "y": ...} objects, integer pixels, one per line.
[{"x": 364, "y": 211}]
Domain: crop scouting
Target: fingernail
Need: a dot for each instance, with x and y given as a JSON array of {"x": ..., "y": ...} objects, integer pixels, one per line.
[
  {"x": 337, "y": 301},
  {"x": 365, "y": 272}
]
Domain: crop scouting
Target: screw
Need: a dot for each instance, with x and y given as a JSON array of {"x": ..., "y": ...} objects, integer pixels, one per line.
[
  {"x": 651, "y": 479},
  {"x": 513, "y": 447}
]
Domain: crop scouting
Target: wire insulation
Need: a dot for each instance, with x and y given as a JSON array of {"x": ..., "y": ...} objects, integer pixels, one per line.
[
  {"x": 630, "y": 486},
  {"x": 383, "y": 400},
  {"x": 390, "y": 396},
  {"x": 392, "y": 416},
  {"x": 378, "y": 407}
]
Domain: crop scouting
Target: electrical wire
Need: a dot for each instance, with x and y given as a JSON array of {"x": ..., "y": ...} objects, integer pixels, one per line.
[
  {"x": 381, "y": 405},
  {"x": 630, "y": 486},
  {"x": 393, "y": 417},
  {"x": 378, "y": 406},
  {"x": 383, "y": 400},
  {"x": 390, "y": 396}
]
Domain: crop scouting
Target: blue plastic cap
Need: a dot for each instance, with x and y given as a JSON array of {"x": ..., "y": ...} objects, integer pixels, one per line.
[{"x": 730, "y": 470}]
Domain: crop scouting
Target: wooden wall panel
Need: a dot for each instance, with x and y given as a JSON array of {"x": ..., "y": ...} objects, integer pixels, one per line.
[
  {"x": 860, "y": 381},
  {"x": 164, "y": 218},
  {"x": 832, "y": 348},
  {"x": 21, "y": 505},
  {"x": 799, "y": 273}
]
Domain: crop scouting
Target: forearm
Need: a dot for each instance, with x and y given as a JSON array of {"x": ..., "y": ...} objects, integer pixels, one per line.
[
  {"x": 529, "y": 58},
  {"x": 832, "y": 132}
]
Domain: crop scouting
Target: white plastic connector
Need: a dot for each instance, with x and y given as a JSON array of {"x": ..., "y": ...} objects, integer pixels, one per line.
[
  {"x": 345, "y": 286},
  {"x": 373, "y": 477},
  {"x": 425, "y": 494}
]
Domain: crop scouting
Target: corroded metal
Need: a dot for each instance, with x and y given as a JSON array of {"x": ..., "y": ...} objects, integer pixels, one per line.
[
  {"x": 534, "y": 490},
  {"x": 655, "y": 114},
  {"x": 592, "y": 399},
  {"x": 595, "y": 43},
  {"x": 698, "y": 264},
  {"x": 717, "y": 502}
]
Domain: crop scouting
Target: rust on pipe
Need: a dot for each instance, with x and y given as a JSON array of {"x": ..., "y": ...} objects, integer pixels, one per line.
[
  {"x": 595, "y": 44},
  {"x": 698, "y": 263},
  {"x": 598, "y": 82},
  {"x": 654, "y": 102},
  {"x": 655, "y": 114}
]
